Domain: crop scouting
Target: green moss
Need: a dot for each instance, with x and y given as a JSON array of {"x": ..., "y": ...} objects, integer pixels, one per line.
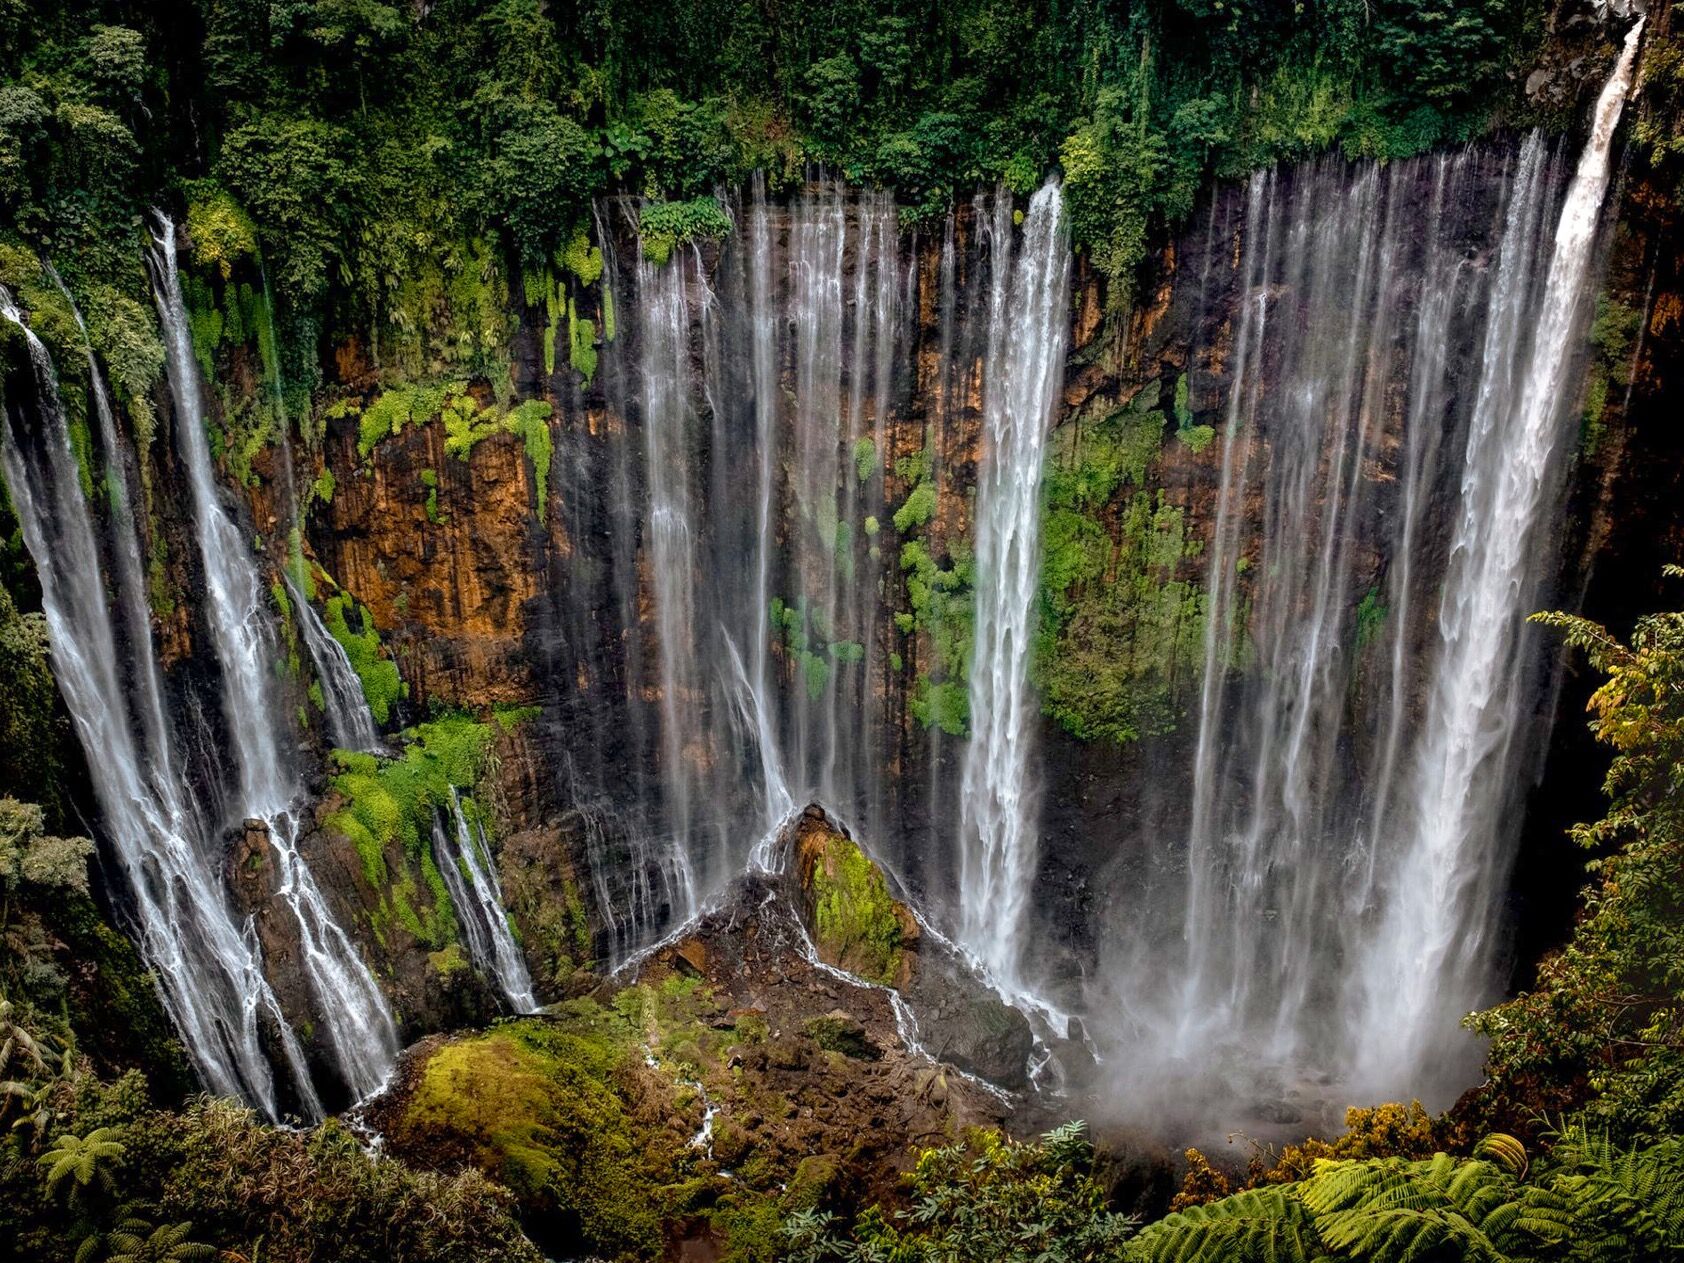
[
  {"x": 1122, "y": 611},
  {"x": 430, "y": 480},
  {"x": 392, "y": 410},
  {"x": 944, "y": 704},
  {"x": 447, "y": 960},
  {"x": 854, "y": 916},
  {"x": 537, "y": 1106},
  {"x": 1197, "y": 437},
  {"x": 322, "y": 489},
  {"x": 378, "y": 674},
  {"x": 582, "y": 259},
  {"x": 865, "y": 458},
  {"x": 530, "y": 422},
  {"x": 1612, "y": 334},
  {"x": 664, "y": 226},
  {"x": 1371, "y": 616},
  {"x": 1125, "y": 631},
  {"x": 388, "y": 811},
  {"x": 508, "y": 718},
  {"x": 581, "y": 343},
  {"x": 918, "y": 507}
]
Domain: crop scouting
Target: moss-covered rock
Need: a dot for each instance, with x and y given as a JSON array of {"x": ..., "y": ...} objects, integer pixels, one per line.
[{"x": 855, "y": 922}]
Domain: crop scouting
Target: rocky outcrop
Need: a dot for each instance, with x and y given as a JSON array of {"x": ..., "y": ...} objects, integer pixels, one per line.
[
  {"x": 735, "y": 1082},
  {"x": 856, "y": 924}
]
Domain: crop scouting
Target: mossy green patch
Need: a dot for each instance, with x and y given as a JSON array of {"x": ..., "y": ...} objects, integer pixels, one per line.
[
  {"x": 353, "y": 627},
  {"x": 664, "y": 226},
  {"x": 855, "y": 922},
  {"x": 388, "y": 811},
  {"x": 1122, "y": 610},
  {"x": 546, "y": 1108}
]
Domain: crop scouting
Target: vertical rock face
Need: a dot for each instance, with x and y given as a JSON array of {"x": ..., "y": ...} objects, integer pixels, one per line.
[
  {"x": 740, "y": 572},
  {"x": 453, "y": 581},
  {"x": 1248, "y": 495}
]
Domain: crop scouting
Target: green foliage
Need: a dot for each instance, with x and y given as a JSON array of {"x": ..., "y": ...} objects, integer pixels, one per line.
[
  {"x": 1122, "y": 612},
  {"x": 541, "y": 1107},
  {"x": 664, "y": 226},
  {"x": 393, "y": 409},
  {"x": 1371, "y": 616},
  {"x": 221, "y": 234},
  {"x": 582, "y": 259},
  {"x": 466, "y": 424},
  {"x": 581, "y": 343},
  {"x": 378, "y": 674},
  {"x": 985, "y": 1197},
  {"x": 854, "y": 917},
  {"x": 1264, "y": 1225},
  {"x": 1604, "y": 1021},
  {"x": 803, "y": 630},
  {"x": 33, "y": 736},
  {"x": 430, "y": 480},
  {"x": 865, "y": 464},
  {"x": 389, "y": 805},
  {"x": 81, "y": 1162},
  {"x": 1611, "y": 338},
  {"x": 1584, "y": 1201},
  {"x": 28, "y": 855},
  {"x": 530, "y": 422}
]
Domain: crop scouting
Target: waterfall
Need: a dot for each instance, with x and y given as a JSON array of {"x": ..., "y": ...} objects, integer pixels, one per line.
[
  {"x": 1394, "y": 396},
  {"x": 353, "y": 1012},
  {"x": 1024, "y": 369},
  {"x": 464, "y": 858},
  {"x": 669, "y": 418},
  {"x": 757, "y": 387},
  {"x": 209, "y": 972},
  {"x": 1430, "y": 956},
  {"x": 350, "y": 722}
]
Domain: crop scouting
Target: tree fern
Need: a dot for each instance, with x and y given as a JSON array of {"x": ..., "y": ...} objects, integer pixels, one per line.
[
  {"x": 1393, "y": 1211},
  {"x": 1630, "y": 1203},
  {"x": 138, "y": 1242},
  {"x": 1263, "y": 1225},
  {"x": 83, "y": 1160}
]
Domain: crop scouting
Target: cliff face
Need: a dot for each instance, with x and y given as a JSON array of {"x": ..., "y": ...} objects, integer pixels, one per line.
[
  {"x": 641, "y": 585},
  {"x": 480, "y": 601}
]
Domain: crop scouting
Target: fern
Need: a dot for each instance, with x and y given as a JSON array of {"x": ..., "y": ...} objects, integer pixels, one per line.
[
  {"x": 138, "y": 1242},
  {"x": 1629, "y": 1203},
  {"x": 83, "y": 1160},
  {"x": 1394, "y": 1211},
  {"x": 1263, "y": 1225}
]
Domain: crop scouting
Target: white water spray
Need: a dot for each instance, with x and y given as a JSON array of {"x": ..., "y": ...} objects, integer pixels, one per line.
[{"x": 998, "y": 808}]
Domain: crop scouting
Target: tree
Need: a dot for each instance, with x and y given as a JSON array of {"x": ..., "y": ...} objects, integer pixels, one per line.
[
  {"x": 84, "y": 1161},
  {"x": 1604, "y": 1023},
  {"x": 985, "y": 1198}
]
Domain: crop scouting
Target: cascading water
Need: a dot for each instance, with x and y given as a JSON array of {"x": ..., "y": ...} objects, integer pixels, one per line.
[
  {"x": 351, "y": 1008},
  {"x": 464, "y": 859},
  {"x": 1401, "y": 350},
  {"x": 1024, "y": 369},
  {"x": 760, "y": 388},
  {"x": 1431, "y": 953},
  {"x": 209, "y": 972},
  {"x": 350, "y": 722}
]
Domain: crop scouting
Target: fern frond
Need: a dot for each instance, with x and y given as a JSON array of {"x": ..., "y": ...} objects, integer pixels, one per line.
[{"x": 1265, "y": 1225}]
